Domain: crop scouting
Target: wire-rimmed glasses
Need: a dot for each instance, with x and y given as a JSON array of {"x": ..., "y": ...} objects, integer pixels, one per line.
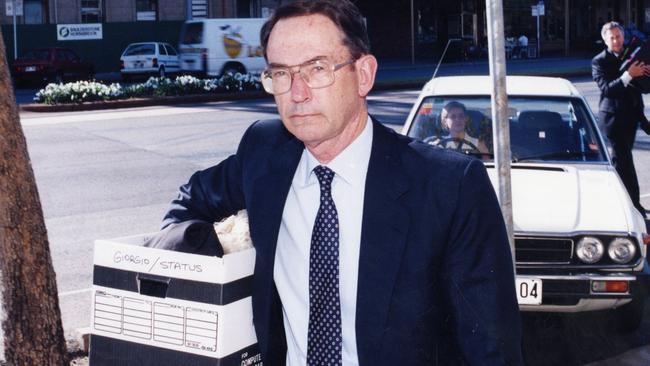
[{"x": 318, "y": 73}]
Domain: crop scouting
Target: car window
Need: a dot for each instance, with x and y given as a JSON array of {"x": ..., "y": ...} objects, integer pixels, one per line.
[
  {"x": 41, "y": 55},
  {"x": 140, "y": 49},
  {"x": 546, "y": 129},
  {"x": 192, "y": 33},
  {"x": 170, "y": 50},
  {"x": 161, "y": 49}
]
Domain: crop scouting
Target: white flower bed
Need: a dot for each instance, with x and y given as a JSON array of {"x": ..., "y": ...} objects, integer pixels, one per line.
[{"x": 90, "y": 91}]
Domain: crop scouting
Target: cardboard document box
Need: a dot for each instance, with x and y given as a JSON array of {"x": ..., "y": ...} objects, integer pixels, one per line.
[{"x": 160, "y": 307}]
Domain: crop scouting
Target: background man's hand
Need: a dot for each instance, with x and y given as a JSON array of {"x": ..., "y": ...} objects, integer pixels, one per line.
[{"x": 638, "y": 68}]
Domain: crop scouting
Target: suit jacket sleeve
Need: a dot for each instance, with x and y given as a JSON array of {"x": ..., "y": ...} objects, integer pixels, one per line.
[
  {"x": 607, "y": 77},
  {"x": 211, "y": 194},
  {"x": 479, "y": 276}
]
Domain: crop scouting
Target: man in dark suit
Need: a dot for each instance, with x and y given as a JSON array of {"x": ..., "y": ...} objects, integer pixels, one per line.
[
  {"x": 621, "y": 106},
  {"x": 372, "y": 248}
]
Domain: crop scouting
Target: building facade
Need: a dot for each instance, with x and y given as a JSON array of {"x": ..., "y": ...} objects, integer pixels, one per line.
[
  {"x": 417, "y": 29},
  {"x": 111, "y": 11}
]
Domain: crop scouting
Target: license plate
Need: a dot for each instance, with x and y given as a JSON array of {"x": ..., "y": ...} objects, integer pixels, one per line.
[
  {"x": 30, "y": 68},
  {"x": 529, "y": 291}
]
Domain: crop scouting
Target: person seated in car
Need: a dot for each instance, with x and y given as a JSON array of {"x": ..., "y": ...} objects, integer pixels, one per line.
[{"x": 453, "y": 120}]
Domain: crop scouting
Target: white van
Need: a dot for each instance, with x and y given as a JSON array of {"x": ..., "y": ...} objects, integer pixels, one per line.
[{"x": 215, "y": 47}]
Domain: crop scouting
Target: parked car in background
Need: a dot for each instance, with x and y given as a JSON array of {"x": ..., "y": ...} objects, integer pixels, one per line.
[
  {"x": 148, "y": 58},
  {"x": 214, "y": 47},
  {"x": 580, "y": 245},
  {"x": 51, "y": 65}
]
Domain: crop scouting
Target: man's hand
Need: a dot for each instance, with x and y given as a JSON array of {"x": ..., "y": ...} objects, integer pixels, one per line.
[{"x": 638, "y": 68}]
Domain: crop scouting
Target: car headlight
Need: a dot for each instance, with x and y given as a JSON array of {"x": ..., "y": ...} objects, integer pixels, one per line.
[
  {"x": 590, "y": 250},
  {"x": 621, "y": 250}
]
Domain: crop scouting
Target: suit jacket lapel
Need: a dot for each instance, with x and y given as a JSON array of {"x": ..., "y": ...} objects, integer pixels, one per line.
[
  {"x": 383, "y": 237},
  {"x": 265, "y": 214}
]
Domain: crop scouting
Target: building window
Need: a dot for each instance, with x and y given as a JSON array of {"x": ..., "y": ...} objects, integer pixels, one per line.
[
  {"x": 34, "y": 12},
  {"x": 146, "y": 10},
  {"x": 91, "y": 11},
  {"x": 199, "y": 9}
]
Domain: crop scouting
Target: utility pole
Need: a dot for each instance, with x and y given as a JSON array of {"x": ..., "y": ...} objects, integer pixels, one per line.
[
  {"x": 13, "y": 12},
  {"x": 499, "y": 104}
]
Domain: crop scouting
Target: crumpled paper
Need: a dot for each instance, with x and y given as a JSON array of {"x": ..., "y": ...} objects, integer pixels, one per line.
[{"x": 233, "y": 233}]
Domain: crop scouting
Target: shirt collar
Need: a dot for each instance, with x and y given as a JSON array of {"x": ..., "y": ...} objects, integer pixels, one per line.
[{"x": 350, "y": 165}]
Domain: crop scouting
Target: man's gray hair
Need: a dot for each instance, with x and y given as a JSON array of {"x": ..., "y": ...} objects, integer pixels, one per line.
[{"x": 609, "y": 26}]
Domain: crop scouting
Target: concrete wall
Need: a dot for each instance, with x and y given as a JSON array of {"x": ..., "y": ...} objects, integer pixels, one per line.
[
  {"x": 119, "y": 11},
  {"x": 171, "y": 9}
]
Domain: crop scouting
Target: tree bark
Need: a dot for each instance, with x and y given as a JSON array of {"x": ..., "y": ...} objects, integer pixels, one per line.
[{"x": 33, "y": 334}]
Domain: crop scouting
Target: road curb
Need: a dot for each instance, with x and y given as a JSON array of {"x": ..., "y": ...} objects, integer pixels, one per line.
[{"x": 143, "y": 102}]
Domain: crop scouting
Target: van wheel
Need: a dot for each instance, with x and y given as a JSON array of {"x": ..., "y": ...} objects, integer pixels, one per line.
[{"x": 161, "y": 72}]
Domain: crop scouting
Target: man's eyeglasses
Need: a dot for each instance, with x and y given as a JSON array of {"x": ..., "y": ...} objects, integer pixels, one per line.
[{"x": 315, "y": 73}]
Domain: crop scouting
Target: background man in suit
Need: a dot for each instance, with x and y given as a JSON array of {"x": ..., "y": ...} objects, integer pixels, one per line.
[
  {"x": 371, "y": 248},
  {"x": 621, "y": 105}
]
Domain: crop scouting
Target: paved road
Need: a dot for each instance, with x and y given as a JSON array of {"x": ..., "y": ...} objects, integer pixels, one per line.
[{"x": 111, "y": 173}]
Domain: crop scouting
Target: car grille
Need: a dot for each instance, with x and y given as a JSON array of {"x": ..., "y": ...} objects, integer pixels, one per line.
[{"x": 543, "y": 250}]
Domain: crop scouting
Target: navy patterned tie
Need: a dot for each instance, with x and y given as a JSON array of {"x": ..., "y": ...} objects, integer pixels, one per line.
[{"x": 324, "y": 336}]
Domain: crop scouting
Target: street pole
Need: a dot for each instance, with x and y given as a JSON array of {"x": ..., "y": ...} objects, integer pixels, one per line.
[
  {"x": 15, "y": 36},
  {"x": 412, "y": 35},
  {"x": 499, "y": 104},
  {"x": 538, "y": 44}
]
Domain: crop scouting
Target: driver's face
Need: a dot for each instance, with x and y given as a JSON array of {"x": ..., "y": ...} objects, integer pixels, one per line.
[{"x": 455, "y": 121}]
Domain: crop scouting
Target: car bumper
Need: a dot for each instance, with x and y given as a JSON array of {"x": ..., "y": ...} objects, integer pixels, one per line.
[{"x": 574, "y": 293}]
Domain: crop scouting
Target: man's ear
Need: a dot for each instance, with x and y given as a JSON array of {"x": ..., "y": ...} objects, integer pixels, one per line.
[{"x": 366, "y": 68}]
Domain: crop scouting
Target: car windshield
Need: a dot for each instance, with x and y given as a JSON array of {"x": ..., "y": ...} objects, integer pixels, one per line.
[
  {"x": 140, "y": 49},
  {"x": 541, "y": 129},
  {"x": 192, "y": 33},
  {"x": 41, "y": 55}
]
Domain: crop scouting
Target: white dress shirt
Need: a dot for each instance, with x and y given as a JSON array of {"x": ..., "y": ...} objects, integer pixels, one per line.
[{"x": 291, "y": 270}]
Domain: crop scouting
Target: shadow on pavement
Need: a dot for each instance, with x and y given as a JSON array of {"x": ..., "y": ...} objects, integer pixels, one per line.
[{"x": 576, "y": 339}]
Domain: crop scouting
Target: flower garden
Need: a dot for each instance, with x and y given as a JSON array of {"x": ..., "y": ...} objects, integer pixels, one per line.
[{"x": 93, "y": 91}]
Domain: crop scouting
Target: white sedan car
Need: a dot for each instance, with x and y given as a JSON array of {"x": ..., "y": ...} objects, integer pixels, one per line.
[
  {"x": 579, "y": 241},
  {"x": 149, "y": 58}
]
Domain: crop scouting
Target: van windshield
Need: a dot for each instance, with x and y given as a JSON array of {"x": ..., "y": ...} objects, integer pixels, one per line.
[{"x": 192, "y": 33}]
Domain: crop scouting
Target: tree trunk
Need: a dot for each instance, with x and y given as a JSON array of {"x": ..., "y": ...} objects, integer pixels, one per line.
[{"x": 33, "y": 334}]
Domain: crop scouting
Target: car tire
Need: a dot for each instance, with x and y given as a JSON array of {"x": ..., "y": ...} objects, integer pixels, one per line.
[{"x": 627, "y": 318}]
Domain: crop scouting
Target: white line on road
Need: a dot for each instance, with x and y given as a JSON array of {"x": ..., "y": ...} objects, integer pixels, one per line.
[{"x": 74, "y": 292}]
